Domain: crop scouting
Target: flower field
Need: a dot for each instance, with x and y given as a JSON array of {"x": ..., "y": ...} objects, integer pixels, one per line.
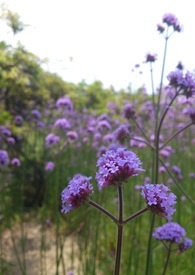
[{"x": 111, "y": 192}]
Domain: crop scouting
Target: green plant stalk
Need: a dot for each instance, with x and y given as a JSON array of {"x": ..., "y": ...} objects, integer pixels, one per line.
[
  {"x": 99, "y": 207},
  {"x": 119, "y": 231},
  {"x": 152, "y": 83},
  {"x": 132, "y": 217},
  {"x": 156, "y": 158},
  {"x": 168, "y": 258}
]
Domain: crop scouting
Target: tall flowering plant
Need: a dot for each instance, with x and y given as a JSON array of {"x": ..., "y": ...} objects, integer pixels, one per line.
[{"x": 118, "y": 165}]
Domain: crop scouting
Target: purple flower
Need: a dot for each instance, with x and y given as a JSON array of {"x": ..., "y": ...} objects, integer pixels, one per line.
[
  {"x": 187, "y": 243},
  {"x": 151, "y": 57},
  {"x": 128, "y": 111},
  {"x": 159, "y": 199},
  {"x": 190, "y": 111},
  {"x": 160, "y": 28},
  {"x": 176, "y": 170},
  {"x": 4, "y": 159},
  {"x": 36, "y": 114},
  {"x": 72, "y": 136},
  {"x": 18, "y": 120},
  {"x": 62, "y": 123},
  {"x": 51, "y": 139},
  {"x": 103, "y": 125},
  {"x": 116, "y": 166},
  {"x": 49, "y": 166},
  {"x": 171, "y": 20},
  {"x": 172, "y": 232},
  {"x": 15, "y": 162},
  {"x": 76, "y": 193},
  {"x": 64, "y": 102},
  {"x": 121, "y": 134},
  {"x": 6, "y": 132},
  {"x": 11, "y": 140},
  {"x": 184, "y": 82}
]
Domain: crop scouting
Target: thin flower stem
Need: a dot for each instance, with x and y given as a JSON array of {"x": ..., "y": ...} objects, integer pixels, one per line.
[
  {"x": 118, "y": 249},
  {"x": 152, "y": 83},
  {"x": 168, "y": 258},
  {"x": 162, "y": 72},
  {"x": 176, "y": 182},
  {"x": 175, "y": 134},
  {"x": 103, "y": 210},
  {"x": 120, "y": 231},
  {"x": 149, "y": 247},
  {"x": 157, "y": 139},
  {"x": 138, "y": 126},
  {"x": 135, "y": 215}
]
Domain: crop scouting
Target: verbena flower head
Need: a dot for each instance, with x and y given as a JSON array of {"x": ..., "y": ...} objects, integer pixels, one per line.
[
  {"x": 121, "y": 134},
  {"x": 64, "y": 102},
  {"x": 51, "y": 139},
  {"x": 15, "y": 162},
  {"x": 159, "y": 199},
  {"x": 116, "y": 166},
  {"x": 174, "y": 233},
  {"x": 187, "y": 243},
  {"x": 184, "y": 82},
  {"x": 190, "y": 111},
  {"x": 128, "y": 111},
  {"x": 62, "y": 123},
  {"x": 171, "y": 20},
  {"x": 151, "y": 57},
  {"x": 18, "y": 120},
  {"x": 76, "y": 193},
  {"x": 4, "y": 159},
  {"x": 49, "y": 166},
  {"x": 36, "y": 114}
]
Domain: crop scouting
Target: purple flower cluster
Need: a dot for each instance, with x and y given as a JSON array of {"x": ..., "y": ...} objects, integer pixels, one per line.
[
  {"x": 159, "y": 199},
  {"x": 51, "y": 139},
  {"x": 171, "y": 20},
  {"x": 36, "y": 114},
  {"x": 174, "y": 233},
  {"x": 64, "y": 102},
  {"x": 15, "y": 162},
  {"x": 151, "y": 57},
  {"x": 185, "y": 82},
  {"x": 116, "y": 166},
  {"x": 49, "y": 166},
  {"x": 76, "y": 193},
  {"x": 128, "y": 111},
  {"x": 121, "y": 134},
  {"x": 62, "y": 123},
  {"x": 4, "y": 159}
]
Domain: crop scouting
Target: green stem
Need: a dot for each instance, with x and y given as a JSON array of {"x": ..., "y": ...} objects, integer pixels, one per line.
[
  {"x": 149, "y": 248},
  {"x": 103, "y": 210},
  {"x": 162, "y": 73},
  {"x": 135, "y": 215},
  {"x": 141, "y": 130},
  {"x": 152, "y": 83},
  {"x": 168, "y": 258},
  {"x": 120, "y": 231}
]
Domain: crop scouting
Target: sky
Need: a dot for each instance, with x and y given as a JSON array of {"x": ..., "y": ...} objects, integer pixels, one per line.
[{"x": 103, "y": 39}]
